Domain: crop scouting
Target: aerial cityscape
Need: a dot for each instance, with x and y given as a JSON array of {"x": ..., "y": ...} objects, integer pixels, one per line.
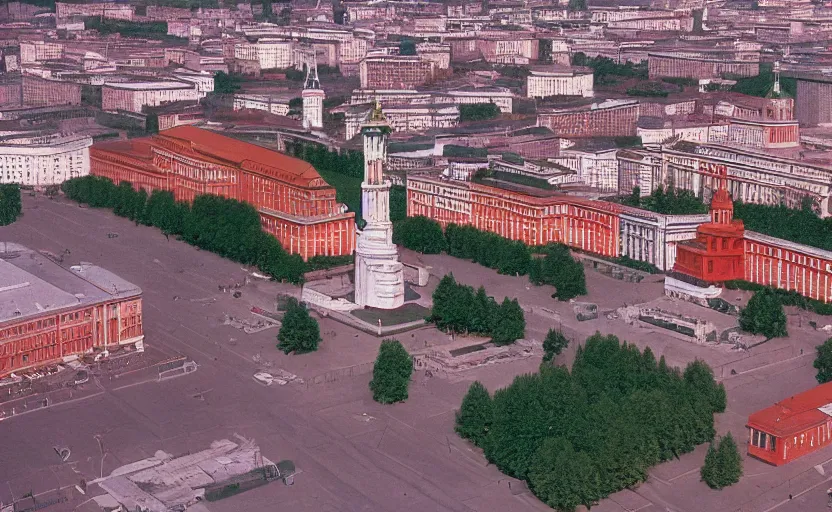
[{"x": 415, "y": 255}]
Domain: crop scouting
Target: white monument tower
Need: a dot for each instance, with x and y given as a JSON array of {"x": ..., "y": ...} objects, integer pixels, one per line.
[
  {"x": 312, "y": 95},
  {"x": 379, "y": 276}
]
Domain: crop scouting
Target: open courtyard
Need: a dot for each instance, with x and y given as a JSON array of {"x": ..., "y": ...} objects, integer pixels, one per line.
[{"x": 354, "y": 454}]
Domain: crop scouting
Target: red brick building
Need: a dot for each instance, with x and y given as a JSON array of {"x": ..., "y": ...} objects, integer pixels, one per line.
[
  {"x": 793, "y": 427},
  {"x": 50, "y": 314},
  {"x": 295, "y": 204},
  {"x": 614, "y": 118},
  {"x": 39, "y": 92},
  {"x": 395, "y": 72},
  {"x": 591, "y": 226}
]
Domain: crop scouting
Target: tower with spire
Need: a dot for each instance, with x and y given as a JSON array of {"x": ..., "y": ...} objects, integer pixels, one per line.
[
  {"x": 379, "y": 276},
  {"x": 312, "y": 95}
]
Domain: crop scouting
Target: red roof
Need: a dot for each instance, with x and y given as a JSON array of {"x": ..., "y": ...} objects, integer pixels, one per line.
[
  {"x": 795, "y": 414},
  {"x": 250, "y": 157}
]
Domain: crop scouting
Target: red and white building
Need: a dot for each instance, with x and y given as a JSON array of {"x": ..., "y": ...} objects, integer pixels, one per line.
[
  {"x": 295, "y": 204},
  {"x": 50, "y": 314},
  {"x": 792, "y": 428}
]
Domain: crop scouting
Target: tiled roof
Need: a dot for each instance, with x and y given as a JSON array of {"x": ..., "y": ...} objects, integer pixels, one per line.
[
  {"x": 245, "y": 155},
  {"x": 794, "y": 414}
]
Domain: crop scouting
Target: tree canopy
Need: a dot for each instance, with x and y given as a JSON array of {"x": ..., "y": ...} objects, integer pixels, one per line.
[
  {"x": 391, "y": 373},
  {"x": 579, "y": 436},
  {"x": 723, "y": 464},
  {"x": 823, "y": 362},
  {"x": 299, "y": 332},
  {"x": 225, "y": 83},
  {"x": 407, "y": 47},
  {"x": 668, "y": 201},
  {"x": 458, "y": 308},
  {"x": 419, "y": 234},
  {"x": 474, "y": 416},
  {"x": 478, "y": 111},
  {"x": 764, "y": 315},
  {"x": 10, "y": 204},
  {"x": 553, "y": 345},
  {"x": 224, "y": 226},
  {"x": 557, "y": 268}
]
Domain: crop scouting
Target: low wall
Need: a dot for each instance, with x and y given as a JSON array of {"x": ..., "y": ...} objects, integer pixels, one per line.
[
  {"x": 316, "y": 298},
  {"x": 608, "y": 268},
  {"x": 416, "y": 275},
  {"x": 327, "y": 273}
]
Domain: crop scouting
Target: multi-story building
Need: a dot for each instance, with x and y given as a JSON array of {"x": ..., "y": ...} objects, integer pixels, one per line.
[
  {"x": 395, "y": 72},
  {"x": 723, "y": 250},
  {"x": 277, "y": 105},
  {"x": 295, "y": 204},
  {"x": 50, "y": 314},
  {"x": 406, "y": 118},
  {"x": 698, "y": 65},
  {"x": 40, "y": 51},
  {"x": 44, "y": 160},
  {"x": 500, "y": 96},
  {"x": 814, "y": 99},
  {"x": 132, "y": 96},
  {"x": 612, "y": 118},
  {"x": 112, "y": 10},
  {"x": 11, "y": 93},
  {"x": 545, "y": 83},
  {"x": 753, "y": 175},
  {"x": 38, "y": 92},
  {"x": 269, "y": 53},
  {"x": 598, "y": 227}
]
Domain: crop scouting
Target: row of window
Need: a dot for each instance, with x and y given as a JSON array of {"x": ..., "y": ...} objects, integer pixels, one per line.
[
  {"x": 765, "y": 441},
  {"x": 22, "y": 329}
]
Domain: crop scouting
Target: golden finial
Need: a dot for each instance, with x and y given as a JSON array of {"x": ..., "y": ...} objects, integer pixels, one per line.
[{"x": 377, "y": 114}]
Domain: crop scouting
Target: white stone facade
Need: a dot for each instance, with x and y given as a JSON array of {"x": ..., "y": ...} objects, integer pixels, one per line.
[
  {"x": 276, "y": 106},
  {"x": 269, "y": 54},
  {"x": 39, "y": 162},
  {"x": 652, "y": 237},
  {"x": 543, "y": 84},
  {"x": 313, "y": 108},
  {"x": 379, "y": 275},
  {"x": 133, "y": 96}
]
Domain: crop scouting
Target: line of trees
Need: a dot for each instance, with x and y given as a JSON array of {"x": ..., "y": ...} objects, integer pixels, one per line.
[
  {"x": 603, "y": 68},
  {"x": 577, "y": 437},
  {"x": 800, "y": 225},
  {"x": 786, "y": 297},
  {"x": 479, "y": 111},
  {"x": 667, "y": 201},
  {"x": 550, "y": 264},
  {"x": 226, "y": 227},
  {"x": 457, "y": 308},
  {"x": 10, "y": 205}
]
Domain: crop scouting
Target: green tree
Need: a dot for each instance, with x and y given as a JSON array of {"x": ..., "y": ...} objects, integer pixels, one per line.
[
  {"x": 152, "y": 123},
  {"x": 225, "y": 83},
  {"x": 420, "y": 234},
  {"x": 483, "y": 314},
  {"x": 473, "y": 419},
  {"x": 510, "y": 324},
  {"x": 700, "y": 378},
  {"x": 10, "y": 204},
  {"x": 563, "y": 478},
  {"x": 407, "y": 47},
  {"x": 299, "y": 332},
  {"x": 478, "y": 111},
  {"x": 823, "y": 362},
  {"x": 723, "y": 464},
  {"x": 764, "y": 315},
  {"x": 577, "y": 5},
  {"x": 553, "y": 345},
  {"x": 391, "y": 373}
]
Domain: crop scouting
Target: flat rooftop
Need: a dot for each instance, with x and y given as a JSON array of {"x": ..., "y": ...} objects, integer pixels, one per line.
[
  {"x": 150, "y": 86},
  {"x": 32, "y": 284}
]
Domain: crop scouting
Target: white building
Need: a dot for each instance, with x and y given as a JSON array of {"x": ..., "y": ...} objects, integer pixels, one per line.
[
  {"x": 598, "y": 168},
  {"x": 204, "y": 81},
  {"x": 406, "y": 118},
  {"x": 270, "y": 54},
  {"x": 275, "y": 105},
  {"x": 39, "y": 51},
  {"x": 500, "y": 96},
  {"x": 652, "y": 237},
  {"x": 543, "y": 84},
  {"x": 379, "y": 275},
  {"x": 133, "y": 96},
  {"x": 43, "y": 161},
  {"x": 313, "y": 108}
]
